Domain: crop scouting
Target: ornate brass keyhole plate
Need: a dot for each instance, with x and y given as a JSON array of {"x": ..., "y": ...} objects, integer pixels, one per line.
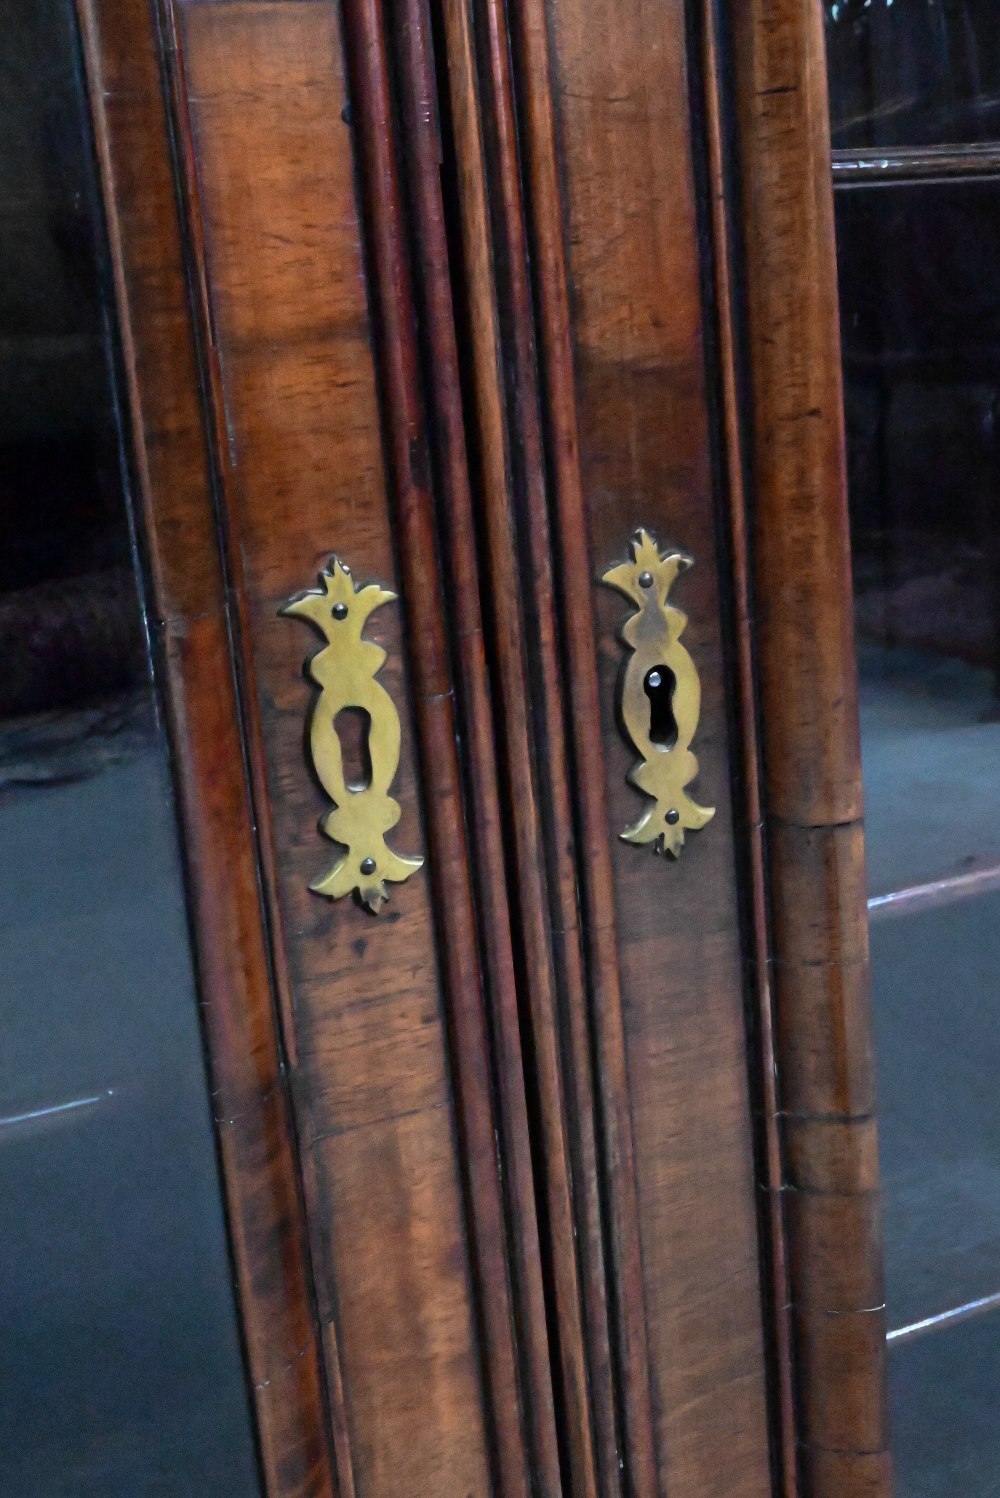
[
  {"x": 345, "y": 670},
  {"x": 659, "y": 696}
]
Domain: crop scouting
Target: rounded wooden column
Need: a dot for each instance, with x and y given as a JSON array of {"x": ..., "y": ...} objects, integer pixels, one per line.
[{"x": 810, "y": 750}]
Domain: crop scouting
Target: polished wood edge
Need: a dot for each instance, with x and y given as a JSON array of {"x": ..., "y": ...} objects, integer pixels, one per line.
[
  {"x": 421, "y": 143},
  {"x": 366, "y": 32},
  {"x": 122, "y": 47},
  {"x": 227, "y": 511},
  {"x": 496, "y": 295},
  {"x": 809, "y": 734},
  {"x": 847, "y": 1474},
  {"x": 528, "y": 45},
  {"x": 764, "y": 1090},
  {"x": 808, "y": 675}
]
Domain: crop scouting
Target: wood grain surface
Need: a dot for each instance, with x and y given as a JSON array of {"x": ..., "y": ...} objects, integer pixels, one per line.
[
  {"x": 191, "y": 637},
  {"x": 810, "y": 743},
  {"x": 528, "y": 411},
  {"x": 624, "y": 368},
  {"x": 711, "y": 38},
  {"x": 505, "y": 419},
  {"x": 466, "y": 293},
  {"x": 384, "y": 1127},
  {"x": 409, "y": 39}
]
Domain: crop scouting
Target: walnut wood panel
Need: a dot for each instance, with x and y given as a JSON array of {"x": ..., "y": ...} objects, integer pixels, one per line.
[
  {"x": 495, "y": 294},
  {"x": 748, "y": 790},
  {"x": 410, "y": 29},
  {"x": 402, "y": 1249},
  {"x": 812, "y": 779},
  {"x": 365, "y": 23},
  {"x": 410, "y": 24},
  {"x": 614, "y": 238},
  {"x": 417, "y": 347},
  {"x": 191, "y": 627}
]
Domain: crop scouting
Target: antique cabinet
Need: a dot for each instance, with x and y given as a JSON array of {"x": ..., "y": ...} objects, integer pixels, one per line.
[{"x": 543, "y": 1165}]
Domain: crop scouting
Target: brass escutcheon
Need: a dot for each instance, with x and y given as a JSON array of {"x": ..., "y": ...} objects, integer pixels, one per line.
[
  {"x": 659, "y": 696},
  {"x": 345, "y": 670}
]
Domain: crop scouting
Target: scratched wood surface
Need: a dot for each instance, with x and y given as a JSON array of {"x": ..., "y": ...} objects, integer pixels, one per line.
[{"x": 364, "y": 997}]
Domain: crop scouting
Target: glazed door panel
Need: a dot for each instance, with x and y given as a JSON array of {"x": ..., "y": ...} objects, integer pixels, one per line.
[
  {"x": 918, "y": 278},
  {"x": 123, "y": 1370}
]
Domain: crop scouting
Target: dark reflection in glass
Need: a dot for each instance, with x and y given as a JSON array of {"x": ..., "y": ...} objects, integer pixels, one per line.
[
  {"x": 121, "y": 1374},
  {"x": 920, "y": 301},
  {"x": 920, "y": 315},
  {"x": 937, "y": 1016},
  {"x": 913, "y": 72}
]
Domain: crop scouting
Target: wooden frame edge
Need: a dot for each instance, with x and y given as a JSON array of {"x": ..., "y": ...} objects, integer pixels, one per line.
[{"x": 193, "y": 638}]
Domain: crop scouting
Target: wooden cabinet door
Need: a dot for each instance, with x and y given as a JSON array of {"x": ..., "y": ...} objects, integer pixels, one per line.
[{"x": 549, "y": 1160}]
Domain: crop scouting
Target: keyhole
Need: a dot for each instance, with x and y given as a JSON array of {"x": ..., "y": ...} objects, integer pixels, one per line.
[
  {"x": 352, "y": 725},
  {"x": 658, "y": 685}
]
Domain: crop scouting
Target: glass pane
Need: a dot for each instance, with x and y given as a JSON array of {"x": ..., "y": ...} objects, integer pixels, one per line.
[
  {"x": 937, "y": 1011},
  {"x": 913, "y": 72},
  {"x": 920, "y": 301},
  {"x": 920, "y": 312},
  {"x": 944, "y": 1412},
  {"x": 122, "y": 1374}
]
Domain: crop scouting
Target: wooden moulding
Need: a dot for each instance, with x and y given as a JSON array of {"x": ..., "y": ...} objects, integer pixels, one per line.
[
  {"x": 800, "y": 535},
  {"x": 192, "y": 646},
  {"x": 605, "y": 137},
  {"x": 508, "y": 448},
  {"x": 810, "y": 746},
  {"x": 774, "y": 1242},
  {"x": 367, "y": 38},
  {"x": 404, "y": 1086},
  {"x": 528, "y": 42},
  {"x": 542, "y": 505},
  {"x": 545, "y": 527},
  {"x": 411, "y": 43}
]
